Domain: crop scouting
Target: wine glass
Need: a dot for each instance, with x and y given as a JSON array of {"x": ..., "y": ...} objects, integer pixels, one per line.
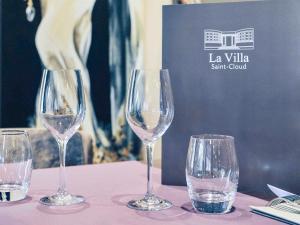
[
  {"x": 62, "y": 110},
  {"x": 149, "y": 112}
]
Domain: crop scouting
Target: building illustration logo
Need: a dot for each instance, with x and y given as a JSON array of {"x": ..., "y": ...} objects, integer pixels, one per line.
[{"x": 229, "y": 40}]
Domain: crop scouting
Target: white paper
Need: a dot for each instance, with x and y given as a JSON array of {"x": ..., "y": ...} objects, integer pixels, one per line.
[{"x": 279, "y": 192}]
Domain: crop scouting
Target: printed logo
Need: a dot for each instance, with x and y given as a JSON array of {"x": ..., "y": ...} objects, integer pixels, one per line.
[
  {"x": 232, "y": 44},
  {"x": 229, "y": 40}
]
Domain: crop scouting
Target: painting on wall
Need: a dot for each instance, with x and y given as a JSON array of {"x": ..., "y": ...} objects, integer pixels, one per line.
[{"x": 101, "y": 38}]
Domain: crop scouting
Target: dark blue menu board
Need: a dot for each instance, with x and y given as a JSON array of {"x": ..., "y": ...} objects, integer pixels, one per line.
[{"x": 235, "y": 70}]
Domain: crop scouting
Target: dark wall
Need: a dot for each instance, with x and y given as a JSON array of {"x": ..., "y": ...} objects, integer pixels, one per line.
[
  {"x": 0, "y": 57},
  {"x": 22, "y": 70}
]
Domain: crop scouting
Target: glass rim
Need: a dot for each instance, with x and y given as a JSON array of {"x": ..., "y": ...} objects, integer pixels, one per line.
[
  {"x": 62, "y": 69},
  {"x": 212, "y": 137},
  {"x": 150, "y": 69},
  {"x": 13, "y": 132}
]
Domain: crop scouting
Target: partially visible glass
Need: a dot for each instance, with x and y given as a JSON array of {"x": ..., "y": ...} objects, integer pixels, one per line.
[
  {"x": 15, "y": 165},
  {"x": 212, "y": 173}
]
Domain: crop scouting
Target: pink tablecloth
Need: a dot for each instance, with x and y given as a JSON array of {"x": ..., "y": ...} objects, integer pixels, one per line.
[{"x": 107, "y": 188}]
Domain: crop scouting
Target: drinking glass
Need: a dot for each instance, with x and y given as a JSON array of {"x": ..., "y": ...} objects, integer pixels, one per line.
[
  {"x": 62, "y": 110},
  {"x": 15, "y": 165},
  {"x": 212, "y": 173},
  {"x": 149, "y": 112}
]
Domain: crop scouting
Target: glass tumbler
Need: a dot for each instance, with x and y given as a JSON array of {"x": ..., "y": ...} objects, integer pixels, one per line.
[
  {"x": 15, "y": 165},
  {"x": 212, "y": 173}
]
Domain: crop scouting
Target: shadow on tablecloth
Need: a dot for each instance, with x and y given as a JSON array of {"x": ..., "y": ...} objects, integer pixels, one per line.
[
  {"x": 27, "y": 199},
  {"x": 174, "y": 213},
  {"x": 236, "y": 214}
]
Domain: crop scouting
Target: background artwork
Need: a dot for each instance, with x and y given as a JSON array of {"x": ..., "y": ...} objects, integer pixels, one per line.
[{"x": 107, "y": 44}]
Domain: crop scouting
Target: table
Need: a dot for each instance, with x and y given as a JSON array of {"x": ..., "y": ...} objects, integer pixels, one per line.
[{"x": 107, "y": 188}]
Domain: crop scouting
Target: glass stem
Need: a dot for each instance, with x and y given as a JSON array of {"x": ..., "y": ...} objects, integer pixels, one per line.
[
  {"x": 149, "y": 148},
  {"x": 62, "y": 144}
]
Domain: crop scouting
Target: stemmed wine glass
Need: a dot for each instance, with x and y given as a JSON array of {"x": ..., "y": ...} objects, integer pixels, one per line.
[
  {"x": 149, "y": 112},
  {"x": 62, "y": 110}
]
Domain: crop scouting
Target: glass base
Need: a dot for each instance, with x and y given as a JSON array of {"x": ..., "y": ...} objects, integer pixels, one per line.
[
  {"x": 152, "y": 203},
  {"x": 62, "y": 200},
  {"x": 12, "y": 192}
]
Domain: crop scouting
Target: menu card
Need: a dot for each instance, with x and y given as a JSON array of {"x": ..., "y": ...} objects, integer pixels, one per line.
[{"x": 235, "y": 70}]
